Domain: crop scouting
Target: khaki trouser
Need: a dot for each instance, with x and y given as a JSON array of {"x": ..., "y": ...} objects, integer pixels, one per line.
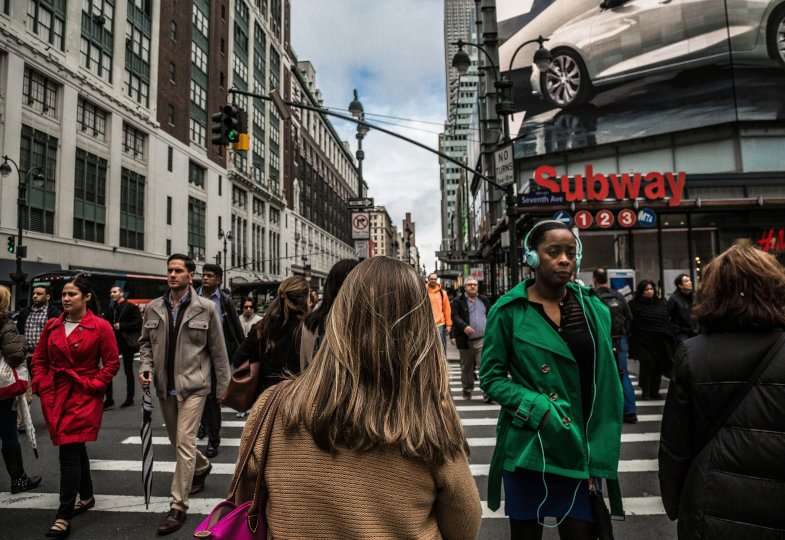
[
  {"x": 182, "y": 422},
  {"x": 469, "y": 358}
]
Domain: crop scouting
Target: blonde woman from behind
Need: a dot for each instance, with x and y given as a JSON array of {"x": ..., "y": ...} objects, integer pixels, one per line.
[{"x": 367, "y": 442}]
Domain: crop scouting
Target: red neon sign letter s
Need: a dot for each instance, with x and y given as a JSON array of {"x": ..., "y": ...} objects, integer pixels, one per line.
[{"x": 543, "y": 176}]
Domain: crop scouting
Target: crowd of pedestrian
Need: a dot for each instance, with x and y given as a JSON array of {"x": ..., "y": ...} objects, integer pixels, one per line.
[{"x": 361, "y": 379}]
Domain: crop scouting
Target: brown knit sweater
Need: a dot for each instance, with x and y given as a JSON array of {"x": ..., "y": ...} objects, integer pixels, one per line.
[{"x": 373, "y": 495}]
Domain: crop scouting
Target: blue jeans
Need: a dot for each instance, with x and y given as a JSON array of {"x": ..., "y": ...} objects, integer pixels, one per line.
[
  {"x": 626, "y": 384},
  {"x": 443, "y": 332}
]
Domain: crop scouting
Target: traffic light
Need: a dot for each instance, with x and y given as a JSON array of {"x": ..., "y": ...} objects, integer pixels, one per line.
[
  {"x": 243, "y": 142},
  {"x": 218, "y": 129},
  {"x": 11, "y": 244},
  {"x": 231, "y": 122}
]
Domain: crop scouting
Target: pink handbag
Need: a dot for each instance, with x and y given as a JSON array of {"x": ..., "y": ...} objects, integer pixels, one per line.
[{"x": 246, "y": 521}]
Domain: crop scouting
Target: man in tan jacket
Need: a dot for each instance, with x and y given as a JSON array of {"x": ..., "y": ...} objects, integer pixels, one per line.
[{"x": 181, "y": 339}]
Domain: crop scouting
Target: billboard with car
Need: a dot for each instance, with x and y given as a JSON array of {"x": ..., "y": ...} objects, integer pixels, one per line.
[{"x": 624, "y": 69}]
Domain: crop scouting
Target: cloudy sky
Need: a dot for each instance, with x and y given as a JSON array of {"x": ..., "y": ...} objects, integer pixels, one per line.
[{"x": 393, "y": 53}]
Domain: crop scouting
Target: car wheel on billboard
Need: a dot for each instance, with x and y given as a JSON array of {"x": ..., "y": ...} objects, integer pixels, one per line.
[
  {"x": 775, "y": 35},
  {"x": 566, "y": 83}
]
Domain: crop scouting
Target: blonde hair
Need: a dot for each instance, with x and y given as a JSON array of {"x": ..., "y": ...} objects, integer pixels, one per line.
[
  {"x": 380, "y": 377},
  {"x": 5, "y": 298}
]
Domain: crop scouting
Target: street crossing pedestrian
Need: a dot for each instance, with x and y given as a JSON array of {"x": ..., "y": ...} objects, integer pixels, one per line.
[
  {"x": 181, "y": 342},
  {"x": 469, "y": 314},
  {"x": 651, "y": 339},
  {"x": 548, "y": 361},
  {"x": 440, "y": 305},
  {"x": 126, "y": 321},
  {"x": 74, "y": 361}
]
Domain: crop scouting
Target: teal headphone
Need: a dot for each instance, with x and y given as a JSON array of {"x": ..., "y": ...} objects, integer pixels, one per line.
[{"x": 532, "y": 259}]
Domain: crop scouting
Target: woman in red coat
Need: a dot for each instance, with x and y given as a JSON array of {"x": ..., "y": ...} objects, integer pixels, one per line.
[{"x": 74, "y": 360}]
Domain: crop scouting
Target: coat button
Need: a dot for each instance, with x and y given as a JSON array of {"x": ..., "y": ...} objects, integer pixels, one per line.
[
  {"x": 554, "y": 396},
  {"x": 566, "y": 421},
  {"x": 545, "y": 368}
]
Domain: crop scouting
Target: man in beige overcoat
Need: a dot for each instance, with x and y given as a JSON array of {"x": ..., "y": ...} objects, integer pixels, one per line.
[{"x": 181, "y": 340}]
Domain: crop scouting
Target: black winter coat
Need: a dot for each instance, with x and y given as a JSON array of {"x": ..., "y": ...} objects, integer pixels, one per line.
[
  {"x": 128, "y": 316},
  {"x": 735, "y": 486},
  {"x": 460, "y": 318}
]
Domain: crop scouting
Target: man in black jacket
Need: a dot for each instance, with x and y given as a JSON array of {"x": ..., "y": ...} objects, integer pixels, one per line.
[
  {"x": 212, "y": 275},
  {"x": 29, "y": 323},
  {"x": 680, "y": 306},
  {"x": 469, "y": 313},
  {"x": 126, "y": 320}
]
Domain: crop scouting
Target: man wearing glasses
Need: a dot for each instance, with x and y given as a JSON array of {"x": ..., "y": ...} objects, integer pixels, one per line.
[
  {"x": 469, "y": 312},
  {"x": 212, "y": 275}
]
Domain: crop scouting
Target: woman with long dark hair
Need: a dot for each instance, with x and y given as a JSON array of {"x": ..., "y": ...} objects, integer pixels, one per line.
[
  {"x": 313, "y": 324},
  {"x": 371, "y": 416},
  {"x": 275, "y": 341},
  {"x": 723, "y": 427},
  {"x": 74, "y": 361},
  {"x": 548, "y": 360},
  {"x": 651, "y": 338}
]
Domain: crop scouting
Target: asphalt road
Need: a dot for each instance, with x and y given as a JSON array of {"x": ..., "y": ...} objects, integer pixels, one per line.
[{"x": 120, "y": 512}]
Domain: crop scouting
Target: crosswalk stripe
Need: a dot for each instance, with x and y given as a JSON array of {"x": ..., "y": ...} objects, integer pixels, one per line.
[
  {"x": 625, "y": 465},
  {"x": 473, "y": 441},
  {"x": 130, "y": 465},
  {"x": 635, "y": 506},
  {"x": 478, "y": 469}
]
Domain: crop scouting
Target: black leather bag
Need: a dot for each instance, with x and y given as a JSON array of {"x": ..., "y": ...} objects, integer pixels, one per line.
[
  {"x": 601, "y": 515},
  {"x": 132, "y": 339}
]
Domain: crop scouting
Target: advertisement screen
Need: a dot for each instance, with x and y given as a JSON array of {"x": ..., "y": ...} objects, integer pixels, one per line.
[{"x": 624, "y": 69}]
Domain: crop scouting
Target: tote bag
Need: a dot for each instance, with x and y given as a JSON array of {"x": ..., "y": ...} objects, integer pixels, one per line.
[{"x": 13, "y": 381}]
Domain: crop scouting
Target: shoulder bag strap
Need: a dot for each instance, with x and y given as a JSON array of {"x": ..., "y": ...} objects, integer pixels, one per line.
[
  {"x": 778, "y": 345},
  {"x": 242, "y": 462},
  {"x": 257, "y": 506}
]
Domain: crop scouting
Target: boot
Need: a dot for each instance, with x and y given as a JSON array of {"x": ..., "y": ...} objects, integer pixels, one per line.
[{"x": 19, "y": 480}]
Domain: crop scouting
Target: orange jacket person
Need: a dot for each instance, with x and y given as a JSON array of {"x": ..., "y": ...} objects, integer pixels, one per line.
[{"x": 74, "y": 360}]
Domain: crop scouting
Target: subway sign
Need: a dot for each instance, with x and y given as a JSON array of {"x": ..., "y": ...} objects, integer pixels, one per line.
[{"x": 595, "y": 186}]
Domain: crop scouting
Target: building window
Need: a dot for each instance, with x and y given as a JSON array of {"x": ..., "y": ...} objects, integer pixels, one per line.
[
  {"x": 199, "y": 57},
  {"x": 172, "y": 69},
  {"x": 196, "y": 175},
  {"x": 168, "y": 246},
  {"x": 275, "y": 216},
  {"x": 275, "y": 68},
  {"x": 171, "y": 115},
  {"x": 39, "y": 92},
  {"x": 275, "y": 253},
  {"x": 168, "y": 210},
  {"x": 137, "y": 54},
  {"x": 133, "y": 142},
  {"x": 38, "y": 149},
  {"x": 196, "y": 228},
  {"x": 132, "y": 210},
  {"x": 90, "y": 119},
  {"x": 198, "y": 132},
  {"x": 173, "y": 31},
  {"x": 258, "y": 207},
  {"x": 97, "y": 44},
  {"x": 89, "y": 197},
  {"x": 169, "y": 159},
  {"x": 257, "y": 248},
  {"x": 46, "y": 19},
  {"x": 239, "y": 197}
]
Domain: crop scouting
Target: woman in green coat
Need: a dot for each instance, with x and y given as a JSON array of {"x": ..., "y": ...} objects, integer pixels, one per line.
[{"x": 547, "y": 359}]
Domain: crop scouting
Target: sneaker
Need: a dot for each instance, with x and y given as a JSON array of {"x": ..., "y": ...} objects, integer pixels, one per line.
[
  {"x": 240, "y": 415},
  {"x": 467, "y": 395},
  {"x": 127, "y": 403},
  {"x": 486, "y": 398},
  {"x": 108, "y": 404}
]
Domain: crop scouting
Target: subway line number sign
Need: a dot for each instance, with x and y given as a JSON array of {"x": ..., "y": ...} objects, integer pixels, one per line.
[{"x": 605, "y": 219}]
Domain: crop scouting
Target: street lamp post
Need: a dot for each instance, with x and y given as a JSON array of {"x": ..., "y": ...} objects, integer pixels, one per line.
[
  {"x": 356, "y": 110},
  {"x": 504, "y": 107},
  {"x": 21, "y": 203},
  {"x": 228, "y": 236}
]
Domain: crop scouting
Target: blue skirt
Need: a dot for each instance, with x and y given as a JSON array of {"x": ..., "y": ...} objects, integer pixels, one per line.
[{"x": 524, "y": 492}]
